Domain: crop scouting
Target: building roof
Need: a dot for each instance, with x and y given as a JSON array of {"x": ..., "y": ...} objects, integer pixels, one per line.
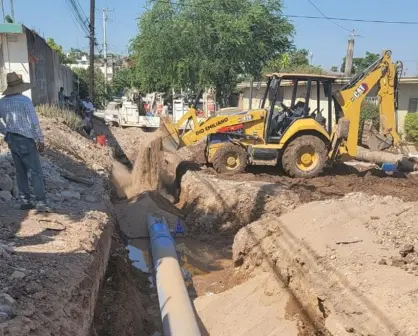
[
  {"x": 288, "y": 75},
  {"x": 11, "y": 28},
  {"x": 338, "y": 80}
]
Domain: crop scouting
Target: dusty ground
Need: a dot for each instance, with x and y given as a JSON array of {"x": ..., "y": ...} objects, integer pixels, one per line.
[
  {"x": 334, "y": 255},
  {"x": 259, "y": 306},
  {"x": 41, "y": 252},
  {"x": 216, "y": 207},
  {"x": 350, "y": 263}
]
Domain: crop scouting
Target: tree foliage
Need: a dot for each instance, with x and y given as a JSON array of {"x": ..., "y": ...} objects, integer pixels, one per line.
[
  {"x": 57, "y": 48},
  {"x": 194, "y": 44},
  {"x": 411, "y": 127},
  {"x": 295, "y": 60},
  {"x": 361, "y": 63},
  {"x": 99, "y": 90},
  {"x": 125, "y": 78}
]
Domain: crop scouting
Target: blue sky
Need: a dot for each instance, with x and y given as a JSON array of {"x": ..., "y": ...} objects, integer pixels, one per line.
[{"x": 325, "y": 40}]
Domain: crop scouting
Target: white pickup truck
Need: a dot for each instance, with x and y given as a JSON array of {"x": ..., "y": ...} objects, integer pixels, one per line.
[{"x": 126, "y": 114}]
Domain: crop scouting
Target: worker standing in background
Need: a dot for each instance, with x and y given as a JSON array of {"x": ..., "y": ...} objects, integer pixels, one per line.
[
  {"x": 61, "y": 98},
  {"x": 25, "y": 140},
  {"x": 88, "y": 107}
]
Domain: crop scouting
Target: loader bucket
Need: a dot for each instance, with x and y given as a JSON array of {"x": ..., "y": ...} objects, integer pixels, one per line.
[{"x": 170, "y": 137}]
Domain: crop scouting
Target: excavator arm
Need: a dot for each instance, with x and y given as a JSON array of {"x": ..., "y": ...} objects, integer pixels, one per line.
[
  {"x": 178, "y": 136},
  {"x": 348, "y": 101}
]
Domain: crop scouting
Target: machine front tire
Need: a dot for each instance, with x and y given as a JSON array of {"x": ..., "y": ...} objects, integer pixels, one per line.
[
  {"x": 230, "y": 159},
  {"x": 305, "y": 157}
]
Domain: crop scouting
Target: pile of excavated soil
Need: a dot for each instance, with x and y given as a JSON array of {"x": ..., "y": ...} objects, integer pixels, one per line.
[
  {"x": 350, "y": 264},
  {"x": 260, "y": 306},
  {"x": 147, "y": 168},
  {"x": 125, "y": 141},
  {"x": 51, "y": 264},
  {"x": 337, "y": 182},
  {"x": 213, "y": 205}
]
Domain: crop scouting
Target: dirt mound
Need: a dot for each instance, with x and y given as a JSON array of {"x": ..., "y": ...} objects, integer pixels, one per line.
[
  {"x": 147, "y": 168},
  {"x": 337, "y": 182},
  {"x": 262, "y": 301},
  {"x": 218, "y": 206},
  {"x": 41, "y": 252},
  {"x": 350, "y": 263}
]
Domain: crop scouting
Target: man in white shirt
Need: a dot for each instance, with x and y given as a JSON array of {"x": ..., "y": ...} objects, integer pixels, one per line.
[{"x": 88, "y": 105}]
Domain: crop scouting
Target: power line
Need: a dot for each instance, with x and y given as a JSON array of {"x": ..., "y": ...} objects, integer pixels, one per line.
[
  {"x": 79, "y": 15},
  {"x": 351, "y": 20},
  {"x": 302, "y": 16},
  {"x": 325, "y": 17}
]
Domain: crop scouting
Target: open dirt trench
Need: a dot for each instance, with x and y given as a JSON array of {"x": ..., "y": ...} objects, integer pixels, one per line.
[{"x": 252, "y": 267}]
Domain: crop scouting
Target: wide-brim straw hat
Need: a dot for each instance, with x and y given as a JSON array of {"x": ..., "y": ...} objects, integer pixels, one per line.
[{"x": 15, "y": 84}]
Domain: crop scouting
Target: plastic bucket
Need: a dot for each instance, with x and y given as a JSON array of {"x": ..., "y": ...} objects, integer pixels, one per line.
[{"x": 101, "y": 140}]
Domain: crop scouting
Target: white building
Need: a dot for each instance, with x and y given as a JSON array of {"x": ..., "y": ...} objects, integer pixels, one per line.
[
  {"x": 408, "y": 96},
  {"x": 83, "y": 63},
  {"x": 23, "y": 51}
]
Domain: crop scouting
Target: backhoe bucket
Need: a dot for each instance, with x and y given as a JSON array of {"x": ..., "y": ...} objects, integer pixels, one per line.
[{"x": 170, "y": 137}]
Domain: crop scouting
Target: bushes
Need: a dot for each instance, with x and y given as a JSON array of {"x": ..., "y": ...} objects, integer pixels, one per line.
[
  {"x": 68, "y": 117},
  {"x": 411, "y": 127},
  {"x": 370, "y": 111}
]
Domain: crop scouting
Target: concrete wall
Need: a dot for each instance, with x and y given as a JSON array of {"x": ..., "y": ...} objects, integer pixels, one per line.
[
  {"x": 46, "y": 72},
  {"x": 14, "y": 58},
  {"x": 406, "y": 91}
]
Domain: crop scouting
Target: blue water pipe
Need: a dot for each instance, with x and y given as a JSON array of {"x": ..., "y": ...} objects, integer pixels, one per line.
[{"x": 177, "y": 313}]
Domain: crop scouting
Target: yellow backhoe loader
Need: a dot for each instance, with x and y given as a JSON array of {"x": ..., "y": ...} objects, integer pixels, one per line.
[{"x": 301, "y": 140}]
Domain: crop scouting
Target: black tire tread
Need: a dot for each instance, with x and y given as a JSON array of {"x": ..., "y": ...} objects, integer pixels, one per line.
[
  {"x": 288, "y": 159},
  {"x": 218, "y": 159}
]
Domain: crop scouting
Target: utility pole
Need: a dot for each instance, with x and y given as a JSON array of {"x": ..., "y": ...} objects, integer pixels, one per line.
[
  {"x": 105, "y": 46},
  {"x": 349, "y": 57},
  {"x": 92, "y": 40},
  {"x": 12, "y": 10},
  {"x": 250, "y": 102},
  {"x": 2, "y": 11}
]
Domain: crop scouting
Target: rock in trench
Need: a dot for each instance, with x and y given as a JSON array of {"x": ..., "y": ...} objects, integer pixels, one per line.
[
  {"x": 69, "y": 195},
  {"x": 7, "y": 307},
  {"x": 6, "y": 195},
  {"x": 6, "y": 183},
  {"x": 406, "y": 250}
]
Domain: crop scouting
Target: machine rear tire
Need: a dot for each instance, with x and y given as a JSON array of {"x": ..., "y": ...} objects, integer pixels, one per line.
[
  {"x": 305, "y": 157},
  {"x": 230, "y": 159}
]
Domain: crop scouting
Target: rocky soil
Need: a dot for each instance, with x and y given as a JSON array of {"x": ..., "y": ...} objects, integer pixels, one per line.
[
  {"x": 51, "y": 264},
  {"x": 335, "y": 255}
]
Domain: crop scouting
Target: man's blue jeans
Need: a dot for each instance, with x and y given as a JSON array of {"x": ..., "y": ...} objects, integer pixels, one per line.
[{"x": 26, "y": 159}]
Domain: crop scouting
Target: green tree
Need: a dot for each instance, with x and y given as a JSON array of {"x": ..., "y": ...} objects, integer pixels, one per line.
[
  {"x": 411, "y": 127},
  {"x": 100, "y": 96},
  {"x": 8, "y": 19},
  {"x": 293, "y": 61},
  {"x": 210, "y": 43},
  {"x": 125, "y": 78},
  {"x": 361, "y": 63},
  {"x": 334, "y": 68},
  {"x": 58, "y": 49}
]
